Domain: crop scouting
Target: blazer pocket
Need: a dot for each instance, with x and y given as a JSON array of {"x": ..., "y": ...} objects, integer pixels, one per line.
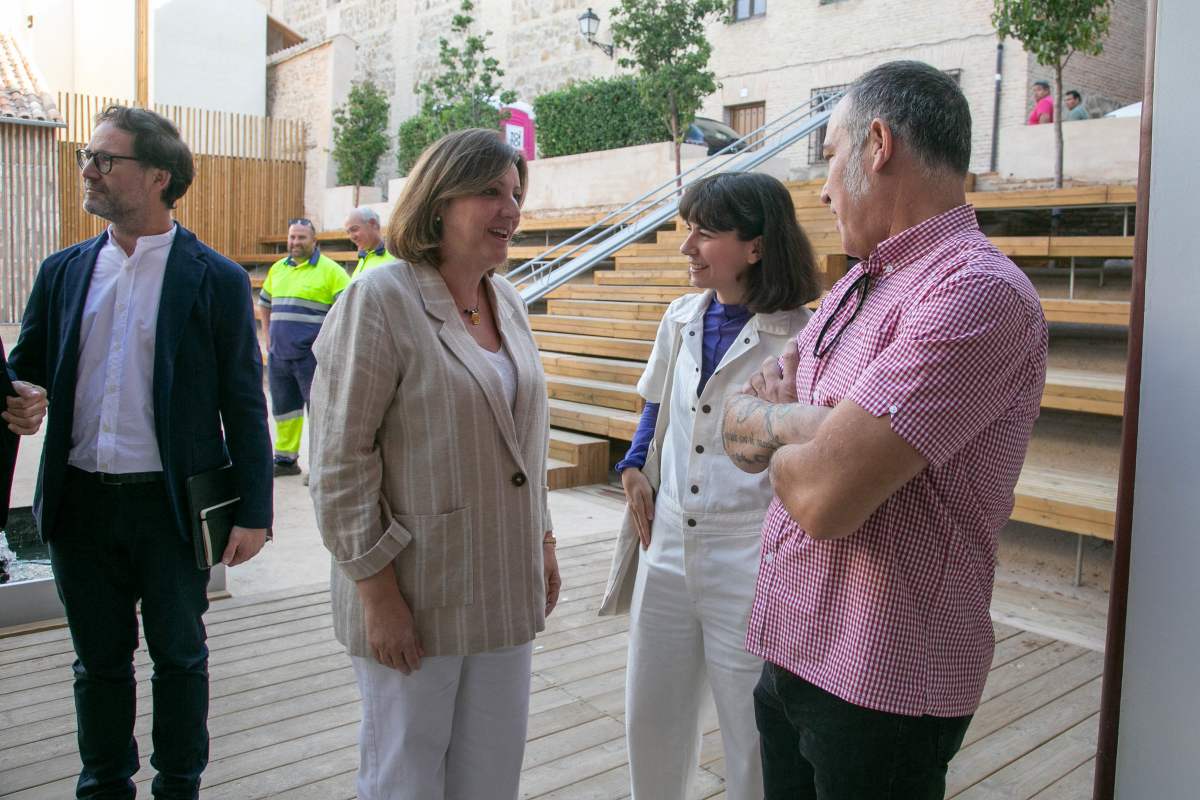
[{"x": 436, "y": 568}]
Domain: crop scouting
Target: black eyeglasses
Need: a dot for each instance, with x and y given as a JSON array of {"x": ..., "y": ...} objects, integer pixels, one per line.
[
  {"x": 859, "y": 288},
  {"x": 103, "y": 161}
]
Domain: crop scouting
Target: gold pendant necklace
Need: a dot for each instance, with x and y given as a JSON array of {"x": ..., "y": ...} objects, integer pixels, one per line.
[{"x": 474, "y": 312}]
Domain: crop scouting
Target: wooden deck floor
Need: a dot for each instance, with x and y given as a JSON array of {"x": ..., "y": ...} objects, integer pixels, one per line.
[{"x": 284, "y": 711}]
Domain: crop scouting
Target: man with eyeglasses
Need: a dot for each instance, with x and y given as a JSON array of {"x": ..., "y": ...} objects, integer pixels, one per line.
[
  {"x": 145, "y": 339},
  {"x": 894, "y": 433},
  {"x": 299, "y": 291}
]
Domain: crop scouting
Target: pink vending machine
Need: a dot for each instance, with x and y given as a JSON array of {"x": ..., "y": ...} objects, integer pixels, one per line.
[{"x": 519, "y": 130}]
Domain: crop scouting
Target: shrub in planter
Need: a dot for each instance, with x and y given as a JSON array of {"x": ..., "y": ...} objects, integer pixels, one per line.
[{"x": 600, "y": 114}]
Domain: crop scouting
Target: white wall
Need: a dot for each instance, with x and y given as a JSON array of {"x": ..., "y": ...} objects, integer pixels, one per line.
[
  {"x": 1160, "y": 703},
  {"x": 104, "y": 41},
  {"x": 209, "y": 54},
  {"x": 1101, "y": 150}
]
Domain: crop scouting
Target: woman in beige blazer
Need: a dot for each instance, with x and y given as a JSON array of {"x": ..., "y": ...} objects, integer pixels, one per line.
[{"x": 429, "y": 445}]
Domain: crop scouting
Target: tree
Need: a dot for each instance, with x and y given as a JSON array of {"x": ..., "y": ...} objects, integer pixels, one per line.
[
  {"x": 360, "y": 134},
  {"x": 461, "y": 95},
  {"x": 1052, "y": 31},
  {"x": 667, "y": 44}
]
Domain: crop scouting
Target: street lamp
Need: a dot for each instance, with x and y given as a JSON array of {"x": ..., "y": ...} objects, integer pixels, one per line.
[{"x": 589, "y": 26}]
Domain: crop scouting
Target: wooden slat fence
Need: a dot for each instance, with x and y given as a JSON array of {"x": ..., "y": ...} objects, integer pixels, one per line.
[
  {"x": 29, "y": 210},
  {"x": 249, "y": 172}
]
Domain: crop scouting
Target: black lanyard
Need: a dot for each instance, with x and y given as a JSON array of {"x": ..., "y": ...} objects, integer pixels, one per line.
[{"x": 859, "y": 287}]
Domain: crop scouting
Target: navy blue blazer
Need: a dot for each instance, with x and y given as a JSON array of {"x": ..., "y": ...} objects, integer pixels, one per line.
[
  {"x": 8, "y": 449},
  {"x": 209, "y": 407}
]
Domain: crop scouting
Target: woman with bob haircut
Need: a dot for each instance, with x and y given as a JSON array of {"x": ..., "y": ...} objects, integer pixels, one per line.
[
  {"x": 429, "y": 440},
  {"x": 695, "y": 577}
]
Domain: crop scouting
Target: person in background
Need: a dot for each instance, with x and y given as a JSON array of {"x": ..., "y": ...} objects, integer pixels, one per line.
[
  {"x": 1043, "y": 105},
  {"x": 893, "y": 436},
  {"x": 429, "y": 446},
  {"x": 695, "y": 578},
  {"x": 297, "y": 294},
  {"x": 24, "y": 409},
  {"x": 362, "y": 226},
  {"x": 1074, "y": 103},
  {"x": 144, "y": 338}
]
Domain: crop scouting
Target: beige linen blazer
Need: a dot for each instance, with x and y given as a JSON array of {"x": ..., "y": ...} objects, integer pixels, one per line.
[{"x": 418, "y": 462}]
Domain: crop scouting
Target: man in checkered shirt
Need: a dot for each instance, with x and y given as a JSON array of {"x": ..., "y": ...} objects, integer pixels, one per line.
[{"x": 894, "y": 433}]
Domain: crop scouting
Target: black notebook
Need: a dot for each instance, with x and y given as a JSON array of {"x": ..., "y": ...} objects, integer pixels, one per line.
[{"x": 213, "y": 502}]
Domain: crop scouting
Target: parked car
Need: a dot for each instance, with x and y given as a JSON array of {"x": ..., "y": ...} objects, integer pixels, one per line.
[{"x": 716, "y": 135}]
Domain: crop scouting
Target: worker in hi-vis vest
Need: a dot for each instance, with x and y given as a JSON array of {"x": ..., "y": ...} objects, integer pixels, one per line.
[
  {"x": 296, "y": 296},
  {"x": 362, "y": 228}
]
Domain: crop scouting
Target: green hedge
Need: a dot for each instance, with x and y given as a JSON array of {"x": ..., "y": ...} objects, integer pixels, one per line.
[{"x": 600, "y": 114}]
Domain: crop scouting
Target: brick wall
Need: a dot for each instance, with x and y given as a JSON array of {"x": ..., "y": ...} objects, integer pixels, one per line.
[{"x": 1114, "y": 78}]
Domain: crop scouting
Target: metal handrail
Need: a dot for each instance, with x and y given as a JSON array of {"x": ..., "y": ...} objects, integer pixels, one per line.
[{"x": 544, "y": 273}]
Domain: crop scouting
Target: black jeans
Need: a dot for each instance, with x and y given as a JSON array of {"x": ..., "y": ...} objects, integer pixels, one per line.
[
  {"x": 816, "y": 745},
  {"x": 114, "y": 546}
]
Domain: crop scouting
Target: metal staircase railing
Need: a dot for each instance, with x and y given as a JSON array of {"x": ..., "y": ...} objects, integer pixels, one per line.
[{"x": 637, "y": 218}]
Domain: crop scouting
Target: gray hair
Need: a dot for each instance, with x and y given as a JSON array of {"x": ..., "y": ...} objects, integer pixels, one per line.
[
  {"x": 365, "y": 214},
  {"x": 923, "y": 106}
]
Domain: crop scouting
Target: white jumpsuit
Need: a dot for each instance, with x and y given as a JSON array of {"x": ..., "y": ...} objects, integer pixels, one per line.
[{"x": 695, "y": 584}]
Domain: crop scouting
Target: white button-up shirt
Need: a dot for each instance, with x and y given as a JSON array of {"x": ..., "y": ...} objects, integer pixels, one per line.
[{"x": 113, "y": 430}]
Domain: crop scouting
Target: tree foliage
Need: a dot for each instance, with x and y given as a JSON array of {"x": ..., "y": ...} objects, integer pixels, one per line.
[
  {"x": 1052, "y": 31},
  {"x": 667, "y": 44},
  {"x": 580, "y": 118},
  {"x": 360, "y": 134},
  {"x": 461, "y": 94}
]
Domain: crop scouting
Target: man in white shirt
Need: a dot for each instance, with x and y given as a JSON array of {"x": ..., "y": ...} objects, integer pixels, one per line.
[{"x": 144, "y": 338}]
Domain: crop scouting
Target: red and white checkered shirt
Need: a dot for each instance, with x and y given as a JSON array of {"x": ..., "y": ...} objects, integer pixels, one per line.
[{"x": 951, "y": 343}]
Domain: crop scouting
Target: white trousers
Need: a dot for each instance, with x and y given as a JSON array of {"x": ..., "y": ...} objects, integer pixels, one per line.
[
  {"x": 691, "y": 604},
  {"x": 452, "y": 730}
]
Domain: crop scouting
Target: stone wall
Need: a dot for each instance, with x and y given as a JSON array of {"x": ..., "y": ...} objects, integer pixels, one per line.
[
  {"x": 777, "y": 59},
  {"x": 307, "y": 82}
]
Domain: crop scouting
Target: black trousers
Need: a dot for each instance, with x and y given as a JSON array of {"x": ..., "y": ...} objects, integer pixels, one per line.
[
  {"x": 113, "y": 547},
  {"x": 817, "y": 746}
]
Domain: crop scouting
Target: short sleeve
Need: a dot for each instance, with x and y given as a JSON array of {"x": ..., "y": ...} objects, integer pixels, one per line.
[
  {"x": 268, "y": 289},
  {"x": 338, "y": 281},
  {"x": 956, "y": 365},
  {"x": 653, "y": 382}
]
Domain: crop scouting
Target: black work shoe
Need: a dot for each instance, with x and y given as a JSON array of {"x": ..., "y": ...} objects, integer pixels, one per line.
[{"x": 283, "y": 469}]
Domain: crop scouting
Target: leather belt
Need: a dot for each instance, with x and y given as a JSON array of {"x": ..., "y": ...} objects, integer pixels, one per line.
[{"x": 119, "y": 479}]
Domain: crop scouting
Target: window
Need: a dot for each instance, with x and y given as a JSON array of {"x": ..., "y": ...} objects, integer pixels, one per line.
[
  {"x": 745, "y": 9},
  {"x": 816, "y": 140}
]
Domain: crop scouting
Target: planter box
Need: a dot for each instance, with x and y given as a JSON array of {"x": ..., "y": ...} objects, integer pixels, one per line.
[{"x": 35, "y": 602}]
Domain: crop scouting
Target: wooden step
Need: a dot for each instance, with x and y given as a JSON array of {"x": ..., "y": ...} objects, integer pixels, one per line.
[
  {"x": 641, "y": 277},
  {"x": 587, "y": 455},
  {"x": 606, "y": 347},
  {"x": 592, "y": 392},
  {"x": 608, "y": 422},
  {"x": 608, "y": 309},
  {"x": 1067, "y": 501},
  {"x": 340, "y": 256},
  {"x": 1084, "y": 391},
  {"x": 635, "y": 294},
  {"x": 594, "y": 326},
  {"x": 1088, "y": 312},
  {"x": 560, "y": 474},
  {"x": 1091, "y": 247},
  {"x": 601, "y": 369},
  {"x": 641, "y": 262}
]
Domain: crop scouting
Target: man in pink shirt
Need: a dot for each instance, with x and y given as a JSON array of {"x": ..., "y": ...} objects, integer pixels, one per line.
[
  {"x": 894, "y": 433},
  {"x": 1043, "y": 104}
]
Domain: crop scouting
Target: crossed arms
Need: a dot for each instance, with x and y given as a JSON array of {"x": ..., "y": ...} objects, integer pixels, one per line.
[{"x": 830, "y": 467}]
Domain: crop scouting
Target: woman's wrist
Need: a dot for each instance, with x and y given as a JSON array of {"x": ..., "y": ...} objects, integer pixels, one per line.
[{"x": 549, "y": 539}]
